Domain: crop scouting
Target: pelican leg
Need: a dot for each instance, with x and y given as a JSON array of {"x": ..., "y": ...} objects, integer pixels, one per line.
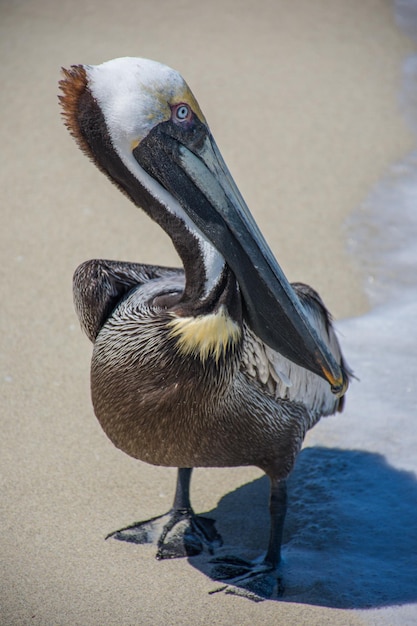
[
  {"x": 278, "y": 511},
  {"x": 178, "y": 533},
  {"x": 257, "y": 579}
]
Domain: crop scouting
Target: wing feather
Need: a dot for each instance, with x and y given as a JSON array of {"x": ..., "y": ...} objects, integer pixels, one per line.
[
  {"x": 99, "y": 286},
  {"x": 288, "y": 381}
]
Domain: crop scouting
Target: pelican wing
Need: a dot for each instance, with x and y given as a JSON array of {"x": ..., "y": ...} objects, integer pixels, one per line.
[
  {"x": 284, "y": 379},
  {"x": 99, "y": 286}
]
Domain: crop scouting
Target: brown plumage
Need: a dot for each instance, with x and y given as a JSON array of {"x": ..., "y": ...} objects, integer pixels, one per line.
[{"x": 179, "y": 375}]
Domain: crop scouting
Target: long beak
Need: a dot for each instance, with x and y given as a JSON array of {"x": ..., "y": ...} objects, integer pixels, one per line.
[{"x": 214, "y": 203}]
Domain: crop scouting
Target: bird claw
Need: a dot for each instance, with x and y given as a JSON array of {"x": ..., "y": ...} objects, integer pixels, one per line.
[
  {"x": 256, "y": 581},
  {"x": 179, "y": 533}
]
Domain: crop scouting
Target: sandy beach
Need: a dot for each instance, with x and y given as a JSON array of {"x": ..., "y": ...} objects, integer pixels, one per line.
[{"x": 302, "y": 98}]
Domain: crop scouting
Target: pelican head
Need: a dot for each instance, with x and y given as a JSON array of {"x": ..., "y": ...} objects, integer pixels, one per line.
[{"x": 140, "y": 123}]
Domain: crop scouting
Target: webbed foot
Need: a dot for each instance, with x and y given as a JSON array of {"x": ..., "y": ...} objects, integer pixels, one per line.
[
  {"x": 256, "y": 580},
  {"x": 178, "y": 533}
]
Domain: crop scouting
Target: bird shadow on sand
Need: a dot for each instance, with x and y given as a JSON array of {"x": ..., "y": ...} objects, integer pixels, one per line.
[{"x": 351, "y": 534}]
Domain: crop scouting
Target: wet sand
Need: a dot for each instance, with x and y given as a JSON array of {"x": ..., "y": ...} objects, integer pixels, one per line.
[{"x": 302, "y": 99}]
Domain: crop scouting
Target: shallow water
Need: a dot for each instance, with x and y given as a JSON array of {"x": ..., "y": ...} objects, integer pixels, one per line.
[{"x": 376, "y": 437}]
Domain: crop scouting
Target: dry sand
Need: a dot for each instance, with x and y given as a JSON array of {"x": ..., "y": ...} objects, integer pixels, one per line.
[{"x": 302, "y": 99}]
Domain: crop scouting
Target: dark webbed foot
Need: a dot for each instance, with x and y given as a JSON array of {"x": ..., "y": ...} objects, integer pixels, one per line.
[
  {"x": 256, "y": 580},
  {"x": 179, "y": 533}
]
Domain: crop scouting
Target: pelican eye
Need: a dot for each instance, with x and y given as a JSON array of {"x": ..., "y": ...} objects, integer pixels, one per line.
[{"x": 182, "y": 112}]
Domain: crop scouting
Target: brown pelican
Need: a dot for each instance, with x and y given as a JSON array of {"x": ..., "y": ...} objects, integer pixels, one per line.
[{"x": 221, "y": 363}]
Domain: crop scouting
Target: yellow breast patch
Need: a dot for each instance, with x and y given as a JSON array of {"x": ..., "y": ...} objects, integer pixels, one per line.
[{"x": 205, "y": 335}]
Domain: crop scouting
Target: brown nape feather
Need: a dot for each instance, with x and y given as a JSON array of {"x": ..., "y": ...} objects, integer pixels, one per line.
[
  {"x": 85, "y": 122},
  {"x": 73, "y": 86}
]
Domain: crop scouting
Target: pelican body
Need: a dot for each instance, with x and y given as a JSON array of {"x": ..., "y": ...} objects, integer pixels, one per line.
[{"x": 220, "y": 363}]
